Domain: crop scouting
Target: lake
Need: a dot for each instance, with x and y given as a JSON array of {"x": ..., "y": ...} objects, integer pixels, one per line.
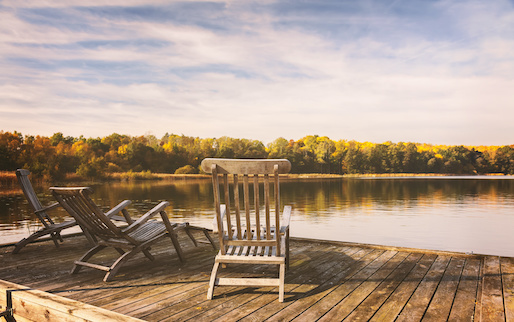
[{"x": 466, "y": 214}]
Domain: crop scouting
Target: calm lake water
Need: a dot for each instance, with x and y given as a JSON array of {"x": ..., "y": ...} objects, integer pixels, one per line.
[{"x": 467, "y": 214}]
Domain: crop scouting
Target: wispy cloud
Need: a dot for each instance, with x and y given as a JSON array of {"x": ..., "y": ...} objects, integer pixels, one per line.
[{"x": 435, "y": 72}]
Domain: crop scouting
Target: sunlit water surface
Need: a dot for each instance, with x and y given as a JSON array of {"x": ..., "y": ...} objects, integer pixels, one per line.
[{"x": 466, "y": 214}]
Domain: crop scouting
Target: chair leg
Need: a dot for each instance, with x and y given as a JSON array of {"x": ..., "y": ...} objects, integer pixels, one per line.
[
  {"x": 176, "y": 244},
  {"x": 58, "y": 233},
  {"x": 55, "y": 238},
  {"x": 206, "y": 233},
  {"x": 90, "y": 253},
  {"x": 188, "y": 229},
  {"x": 91, "y": 239},
  {"x": 22, "y": 243},
  {"x": 188, "y": 232},
  {"x": 281, "y": 287},
  {"x": 287, "y": 250},
  {"x": 118, "y": 263},
  {"x": 146, "y": 251},
  {"x": 212, "y": 282}
]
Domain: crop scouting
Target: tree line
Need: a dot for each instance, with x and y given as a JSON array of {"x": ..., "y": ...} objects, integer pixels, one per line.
[{"x": 54, "y": 157}]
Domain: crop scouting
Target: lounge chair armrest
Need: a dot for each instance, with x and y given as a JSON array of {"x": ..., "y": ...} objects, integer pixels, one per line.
[
  {"x": 49, "y": 207},
  {"x": 286, "y": 218},
  {"x": 117, "y": 209},
  {"x": 141, "y": 220}
]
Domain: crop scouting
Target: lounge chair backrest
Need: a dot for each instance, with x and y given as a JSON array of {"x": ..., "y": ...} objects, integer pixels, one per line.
[
  {"x": 50, "y": 228},
  {"x": 78, "y": 204},
  {"x": 137, "y": 236},
  {"x": 30, "y": 194},
  {"x": 245, "y": 192}
]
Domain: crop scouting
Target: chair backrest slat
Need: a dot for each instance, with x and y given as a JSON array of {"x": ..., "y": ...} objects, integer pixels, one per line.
[
  {"x": 236, "y": 204},
  {"x": 267, "y": 206},
  {"x": 28, "y": 190},
  {"x": 246, "y": 190},
  {"x": 78, "y": 203},
  {"x": 277, "y": 206},
  {"x": 30, "y": 194},
  {"x": 256, "y": 206},
  {"x": 227, "y": 198},
  {"x": 248, "y": 229}
]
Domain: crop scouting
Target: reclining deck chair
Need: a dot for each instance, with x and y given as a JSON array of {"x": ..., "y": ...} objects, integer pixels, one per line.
[
  {"x": 49, "y": 227},
  {"x": 138, "y": 236},
  {"x": 249, "y": 234}
]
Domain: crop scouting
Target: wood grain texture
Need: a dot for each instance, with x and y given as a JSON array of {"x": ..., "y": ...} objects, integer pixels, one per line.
[
  {"x": 326, "y": 280},
  {"x": 249, "y": 242}
]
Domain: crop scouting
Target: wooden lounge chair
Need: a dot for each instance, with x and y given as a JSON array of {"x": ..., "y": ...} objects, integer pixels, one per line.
[
  {"x": 138, "y": 236},
  {"x": 49, "y": 227},
  {"x": 250, "y": 234}
]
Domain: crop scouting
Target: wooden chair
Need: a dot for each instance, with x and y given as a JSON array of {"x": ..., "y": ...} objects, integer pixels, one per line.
[
  {"x": 138, "y": 236},
  {"x": 249, "y": 233},
  {"x": 49, "y": 226}
]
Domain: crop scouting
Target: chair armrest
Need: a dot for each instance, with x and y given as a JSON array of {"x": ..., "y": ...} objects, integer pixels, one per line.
[
  {"x": 119, "y": 208},
  {"x": 223, "y": 212},
  {"x": 49, "y": 207},
  {"x": 116, "y": 209},
  {"x": 141, "y": 220},
  {"x": 286, "y": 218}
]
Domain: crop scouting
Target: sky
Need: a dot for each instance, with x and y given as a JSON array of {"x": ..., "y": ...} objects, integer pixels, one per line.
[{"x": 426, "y": 71}]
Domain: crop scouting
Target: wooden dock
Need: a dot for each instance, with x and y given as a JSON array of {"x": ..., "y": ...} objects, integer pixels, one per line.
[{"x": 327, "y": 281}]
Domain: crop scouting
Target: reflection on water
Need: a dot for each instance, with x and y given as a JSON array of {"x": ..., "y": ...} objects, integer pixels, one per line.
[
  {"x": 468, "y": 215},
  {"x": 472, "y": 214}
]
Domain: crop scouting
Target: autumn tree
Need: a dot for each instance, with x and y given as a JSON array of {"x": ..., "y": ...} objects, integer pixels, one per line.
[
  {"x": 10, "y": 150},
  {"x": 54, "y": 156}
]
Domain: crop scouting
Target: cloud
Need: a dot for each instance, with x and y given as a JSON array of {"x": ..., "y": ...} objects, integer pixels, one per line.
[{"x": 433, "y": 72}]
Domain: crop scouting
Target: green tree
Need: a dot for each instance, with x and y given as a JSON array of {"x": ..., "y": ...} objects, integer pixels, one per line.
[
  {"x": 94, "y": 168},
  {"x": 337, "y": 157},
  {"x": 323, "y": 151},
  {"x": 413, "y": 160},
  {"x": 378, "y": 158},
  {"x": 278, "y": 149},
  {"x": 355, "y": 159},
  {"x": 504, "y": 160},
  {"x": 59, "y": 138}
]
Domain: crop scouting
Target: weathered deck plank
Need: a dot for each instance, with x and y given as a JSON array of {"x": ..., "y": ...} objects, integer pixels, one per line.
[
  {"x": 492, "y": 290},
  {"x": 327, "y": 268},
  {"x": 418, "y": 303},
  {"x": 330, "y": 302},
  {"x": 507, "y": 270},
  {"x": 463, "y": 308},
  {"x": 395, "y": 303},
  {"x": 441, "y": 303},
  {"x": 308, "y": 293},
  {"x": 260, "y": 296},
  {"x": 327, "y": 281},
  {"x": 314, "y": 293},
  {"x": 199, "y": 305},
  {"x": 368, "y": 307},
  {"x": 352, "y": 301}
]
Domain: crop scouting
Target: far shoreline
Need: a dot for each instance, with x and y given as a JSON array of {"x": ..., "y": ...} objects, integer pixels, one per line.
[{"x": 8, "y": 178}]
